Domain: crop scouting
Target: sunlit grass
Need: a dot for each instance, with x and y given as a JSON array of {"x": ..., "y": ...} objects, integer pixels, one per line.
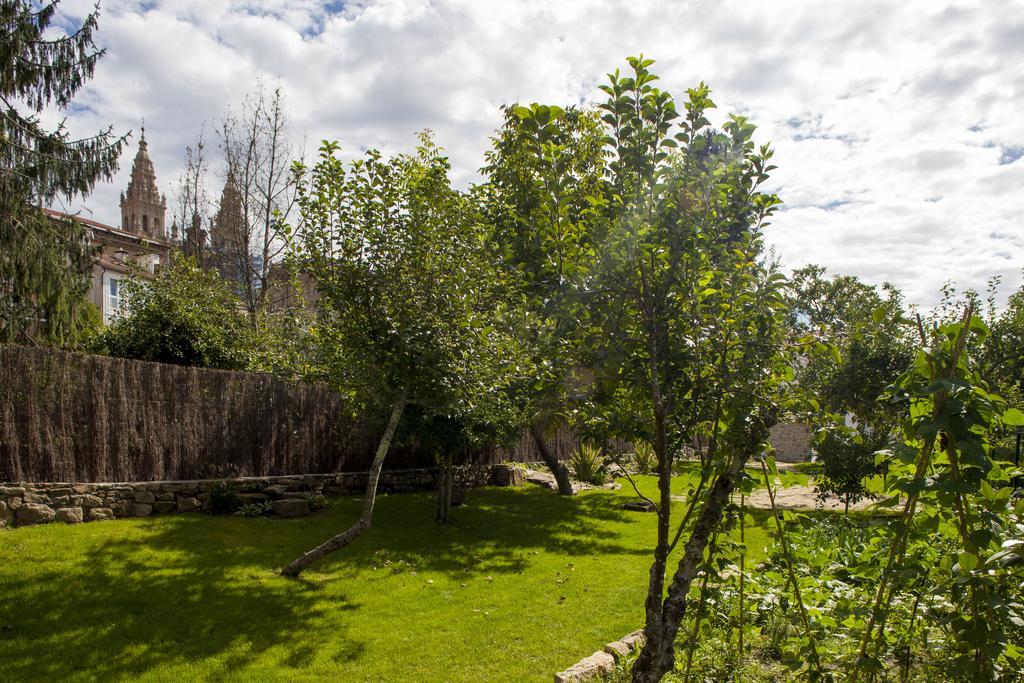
[{"x": 520, "y": 585}]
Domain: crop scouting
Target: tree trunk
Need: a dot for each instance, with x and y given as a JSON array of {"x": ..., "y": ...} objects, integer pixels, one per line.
[
  {"x": 658, "y": 656},
  {"x": 444, "y": 489},
  {"x": 556, "y": 466},
  {"x": 365, "y": 517}
]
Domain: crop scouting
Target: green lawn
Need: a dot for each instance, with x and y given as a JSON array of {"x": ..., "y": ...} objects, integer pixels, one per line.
[{"x": 521, "y": 585}]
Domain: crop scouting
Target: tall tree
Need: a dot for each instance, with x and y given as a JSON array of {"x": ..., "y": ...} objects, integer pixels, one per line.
[
  {"x": 258, "y": 188},
  {"x": 396, "y": 256},
  {"x": 546, "y": 164},
  {"x": 693, "y": 319},
  {"x": 45, "y": 266},
  {"x": 872, "y": 345}
]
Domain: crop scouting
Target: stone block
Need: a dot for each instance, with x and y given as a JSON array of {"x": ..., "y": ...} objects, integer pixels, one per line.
[
  {"x": 275, "y": 490},
  {"x": 140, "y": 509},
  {"x": 36, "y": 497},
  {"x": 87, "y": 501},
  {"x": 14, "y": 503},
  {"x": 617, "y": 649},
  {"x": 164, "y": 506},
  {"x": 291, "y": 507},
  {"x": 247, "y": 498},
  {"x": 144, "y": 496},
  {"x": 99, "y": 514},
  {"x": 458, "y": 496},
  {"x": 507, "y": 475},
  {"x": 635, "y": 640},
  {"x": 70, "y": 515},
  {"x": 12, "y": 490},
  {"x": 61, "y": 491},
  {"x": 6, "y": 514},
  {"x": 188, "y": 504},
  {"x": 165, "y": 495},
  {"x": 34, "y": 513},
  {"x": 593, "y": 668}
]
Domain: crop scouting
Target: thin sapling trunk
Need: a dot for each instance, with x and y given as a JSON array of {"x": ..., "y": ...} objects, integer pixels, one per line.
[{"x": 366, "y": 516}]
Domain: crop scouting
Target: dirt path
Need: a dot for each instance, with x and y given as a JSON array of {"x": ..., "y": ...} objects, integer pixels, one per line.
[
  {"x": 800, "y": 498},
  {"x": 796, "y": 498}
]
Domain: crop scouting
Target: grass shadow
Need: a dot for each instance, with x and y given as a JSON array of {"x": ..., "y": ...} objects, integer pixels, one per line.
[{"x": 155, "y": 597}]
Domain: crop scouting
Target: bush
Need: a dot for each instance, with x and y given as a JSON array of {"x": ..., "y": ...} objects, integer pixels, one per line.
[
  {"x": 223, "y": 498},
  {"x": 185, "y": 316},
  {"x": 847, "y": 459},
  {"x": 260, "y": 508},
  {"x": 644, "y": 458},
  {"x": 316, "y": 500},
  {"x": 588, "y": 465}
]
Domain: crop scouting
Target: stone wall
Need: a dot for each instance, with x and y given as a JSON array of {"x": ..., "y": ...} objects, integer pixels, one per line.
[
  {"x": 791, "y": 441},
  {"x": 23, "y": 504}
]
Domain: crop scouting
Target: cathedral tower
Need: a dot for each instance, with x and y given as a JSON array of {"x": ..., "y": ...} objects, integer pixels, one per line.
[{"x": 142, "y": 205}]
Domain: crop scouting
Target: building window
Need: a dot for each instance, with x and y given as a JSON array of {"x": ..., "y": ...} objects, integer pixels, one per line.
[
  {"x": 145, "y": 223},
  {"x": 113, "y": 297}
]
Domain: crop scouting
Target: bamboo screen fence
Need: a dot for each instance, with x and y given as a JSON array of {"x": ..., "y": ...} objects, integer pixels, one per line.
[{"x": 83, "y": 418}]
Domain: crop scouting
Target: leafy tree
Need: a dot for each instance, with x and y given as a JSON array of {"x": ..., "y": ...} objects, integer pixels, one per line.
[
  {"x": 184, "y": 316},
  {"x": 395, "y": 253},
  {"x": 691, "y": 318},
  {"x": 546, "y": 166},
  {"x": 870, "y": 339},
  {"x": 45, "y": 265}
]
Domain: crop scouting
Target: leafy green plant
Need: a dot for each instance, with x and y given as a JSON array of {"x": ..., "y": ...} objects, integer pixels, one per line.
[
  {"x": 588, "y": 464},
  {"x": 223, "y": 497},
  {"x": 847, "y": 458},
  {"x": 185, "y": 316},
  {"x": 316, "y": 500},
  {"x": 644, "y": 458},
  {"x": 953, "y": 519},
  {"x": 259, "y": 508}
]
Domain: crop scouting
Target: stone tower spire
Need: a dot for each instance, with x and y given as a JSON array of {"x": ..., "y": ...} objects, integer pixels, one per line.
[
  {"x": 229, "y": 232},
  {"x": 142, "y": 205}
]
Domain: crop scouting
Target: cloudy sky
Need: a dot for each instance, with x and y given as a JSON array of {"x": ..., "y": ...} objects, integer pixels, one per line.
[{"x": 898, "y": 126}]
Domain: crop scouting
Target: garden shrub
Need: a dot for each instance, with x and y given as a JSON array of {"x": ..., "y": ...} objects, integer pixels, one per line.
[
  {"x": 260, "y": 508},
  {"x": 644, "y": 458},
  {"x": 588, "y": 465},
  {"x": 223, "y": 498}
]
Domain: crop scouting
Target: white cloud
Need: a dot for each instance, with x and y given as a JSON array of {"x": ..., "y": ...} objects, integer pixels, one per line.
[{"x": 897, "y": 126}]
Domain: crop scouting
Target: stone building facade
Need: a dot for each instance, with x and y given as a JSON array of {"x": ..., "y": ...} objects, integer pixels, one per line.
[
  {"x": 791, "y": 441},
  {"x": 141, "y": 240}
]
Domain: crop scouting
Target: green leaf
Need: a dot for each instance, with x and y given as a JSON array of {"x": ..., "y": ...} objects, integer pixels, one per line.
[
  {"x": 1013, "y": 418},
  {"x": 968, "y": 561}
]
